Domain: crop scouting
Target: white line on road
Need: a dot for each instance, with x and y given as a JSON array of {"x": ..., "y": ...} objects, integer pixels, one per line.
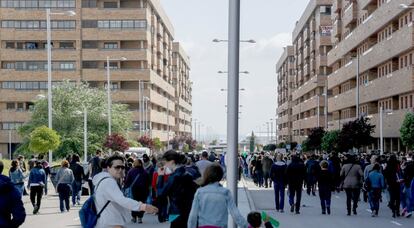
[{"x": 396, "y": 223}]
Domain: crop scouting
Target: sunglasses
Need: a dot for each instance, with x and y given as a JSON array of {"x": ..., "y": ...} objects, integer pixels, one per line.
[{"x": 119, "y": 167}]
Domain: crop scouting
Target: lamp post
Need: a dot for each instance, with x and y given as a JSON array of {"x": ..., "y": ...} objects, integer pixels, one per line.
[
  {"x": 49, "y": 65},
  {"x": 10, "y": 144},
  {"x": 357, "y": 86},
  {"x": 388, "y": 112},
  {"x": 226, "y": 72},
  {"x": 168, "y": 123},
  {"x": 85, "y": 133},
  {"x": 145, "y": 125},
  {"x": 108, "y": 90}
]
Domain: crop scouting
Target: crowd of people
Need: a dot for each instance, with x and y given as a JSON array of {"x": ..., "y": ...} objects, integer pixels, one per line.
[
  {"x": 186, "y": 190},
  {"x": 373, "y": 175}
]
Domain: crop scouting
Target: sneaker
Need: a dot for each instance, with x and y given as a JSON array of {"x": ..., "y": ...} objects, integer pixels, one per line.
[
  {"x": 134, "y": 220},
  {"x": 328, "y": 209},
  {"x": 355, "y": 211},
  {"x": 281, "y": 211},
  {"x": 297, "y": 212},
  {"x": 323, "y": 212},
  {"x": 35, "y": 210},
  {"x": 292, "y": 208},
  {"x": 408, "y": 214},
  {"x": 139, "y": 220},
  {"x": 373, "y": 213}
]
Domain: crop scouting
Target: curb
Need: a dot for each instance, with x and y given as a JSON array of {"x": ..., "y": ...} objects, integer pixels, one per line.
[{"x": 249, "y": 196}]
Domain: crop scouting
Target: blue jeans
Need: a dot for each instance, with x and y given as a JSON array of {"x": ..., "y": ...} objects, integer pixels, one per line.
[
  {"x": 20, "y": 188},
  {"x": 76, "y": 191},
  {"x": 407, "y": 200},
  {"x": 325, "y": 197},
  {"x": 295, "y": 190},
  {"x": 64, "y": 194},
  {"x": 374, "y": 197},
  {"x": 279, "y": 188}
]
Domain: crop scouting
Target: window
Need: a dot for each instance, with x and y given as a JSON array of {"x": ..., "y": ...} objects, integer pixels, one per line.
[
  {"x": 90, "y": 44},
  {"x": 89, "y": 24},
  {"x": 9, "y": 44},
  {"x": 116, "y": 24},
  {"x": 90, "y": 64},
  {"x": 38, "y": 24},
  {"x": 112, "y": 65},
  {"x": 10, "y": 106},
  {"x": 66, "y": 66},
  {"x": 89, "y": 3},
  {"x": 110, "y": 45},
  {"x": 20, "y": 106},
  {"x": 66, "y": 45},
  {"x": 110, "y": 4}
]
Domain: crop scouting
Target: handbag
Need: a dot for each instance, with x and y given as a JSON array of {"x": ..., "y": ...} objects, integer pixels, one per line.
[
  {"x": 128, "y": 191},
  {"x": 341, "y": 186}
]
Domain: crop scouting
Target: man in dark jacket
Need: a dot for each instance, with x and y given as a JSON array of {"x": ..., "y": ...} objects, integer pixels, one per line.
[
  {"x": 295, "y": 173},
  {"x": 266, "y": 165},
  {"x": 12, "y": 213},
  {"x": 277, "y": 174},
  {"x": 78, "y": 174}
]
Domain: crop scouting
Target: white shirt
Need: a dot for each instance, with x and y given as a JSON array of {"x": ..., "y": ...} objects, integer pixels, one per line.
[{"x": 118, "y": 211}]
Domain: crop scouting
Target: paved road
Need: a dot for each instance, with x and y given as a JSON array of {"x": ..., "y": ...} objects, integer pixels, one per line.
[{"x": 311, "y": 217}]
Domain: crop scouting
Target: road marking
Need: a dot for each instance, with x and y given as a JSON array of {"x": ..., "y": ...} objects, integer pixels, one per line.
[{"x": 396, "y": 223}]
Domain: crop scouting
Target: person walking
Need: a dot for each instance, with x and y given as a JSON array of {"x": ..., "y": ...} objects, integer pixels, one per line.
[
  {"x": 179, "y": 189},
  {"x": 326, "y": 185},
  {"x": 203, "y": 163},
  {"x": 212, "y": 203},
  {"x": 12, "y": 212},
  {"x": 107, "y": 192},
  {"x": 160, "y": 201},
  {"x": 138, "y": 179},
  {"x": 64, "y": 179},
  {"x": 392, "y": 174},
  {"x": 78, "y": 175},
  {"x": 375, "y": 183},
  {"x": 266, "y": 166},
  {"x": 408, "y": 197},
  {"x": 312, "y": 169},
  {"x": 351, "y": 174},
  {"x": 277, "y": 174},
  {"x": 46, "y": 168},
  {"x": 37, "y": 179},
  {"x": 295, "y": 174},
  {"x": 94, "y": 168},
  {"x": 258, "y": 170},
  {"x": 16, "y": 176}
]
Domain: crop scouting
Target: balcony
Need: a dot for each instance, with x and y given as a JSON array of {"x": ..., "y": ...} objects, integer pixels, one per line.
[
  {"x": 337, "y": 28},
  {"x": 283, "y": 107},
  {"x": 364, "y": 4},
  {"x": 308, "y": 86},
  {"x": 116, "y": 74},
  {"x": 399, "y": 42},
  {"x": 378, "y": 19},
  {"x": 161, "y": 118},
  {"x": 323, "y": 40},
  {"x": 160, "y": 82},
  {"x": 342, "y": 75},
  {"x": 306, "y": 70},
  {"x": 342, "y": 101},
  {"x": 284, "y": 132},
  {"x": 283, "y": 119},
  {"x": 14, "y": 34},
  {"x": 101, "y": 54},
  {"x": 399, "y": 82},
  {"x": 300, "y": 59},
  {"x": 127, "y": 96},
  {"x": 390, "y": 124},
  {"x": 306, "y": 34},
  {"x": 350, "y": 14},
  {"x": 110, "y": 34},
  {"x": 14, "y": 116},
  {"x": 19, "y": 95},
  {"x": 308, "y": 122},
  {"x": 309, "y": 104},
  {"x": 38, "y": 54},
  {"x": 11, "y": 75},
  {"x": 306, "y": 51},
  {"x": 184, "y": 104},
  {"x": 321, "y": 60},
  {"x": 118, "y": 13}
]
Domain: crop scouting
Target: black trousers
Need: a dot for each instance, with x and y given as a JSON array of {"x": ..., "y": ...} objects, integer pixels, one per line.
[
  {"x": 352, "y": 195},
  {"x": 180, "y": 222},
  {"x": 395, "y": 197},
  {"x": 295, "y": 190},
  {"x": 36, "y": 193}
]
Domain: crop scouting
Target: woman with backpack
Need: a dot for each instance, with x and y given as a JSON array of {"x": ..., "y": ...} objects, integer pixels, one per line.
[
  {"x": 138, "y": 179},
  {"x": 212, "y": 203},
  {"x": 375, "y": 184},
  {"x": 179, "y": 189}
]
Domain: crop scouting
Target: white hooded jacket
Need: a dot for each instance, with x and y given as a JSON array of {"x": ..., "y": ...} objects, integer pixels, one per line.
[{"x": 118, "y": 211}]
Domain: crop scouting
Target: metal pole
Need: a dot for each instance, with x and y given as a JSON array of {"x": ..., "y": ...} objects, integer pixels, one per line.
[
  {"x": 233, "y": 99},
  {"x": 195, "y": 130},
  {"x": 139, "y": 107},
  {"x": 49, "y": 74},
  {"x": 325, "y": 110},
  {"x": 145, "y": 116},
  {"x": 168, "y": 123},
  {"x": 381, "y": 134},
  {"x": 268, "y": 134},
  {"x": 271, "y": 131},
  {"x": 318, "y": 111},
  {"x": 10, "y": 145},
  {"x": 108, "y": 90},
  {"x": 357, "y": 86},
  {"x": 85, "y": 134}
]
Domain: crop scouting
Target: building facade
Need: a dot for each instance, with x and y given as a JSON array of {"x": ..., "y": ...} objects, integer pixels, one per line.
[
  {"x": 311, "y": 40},
  {"x": 372, "y": 59},
  {"x": 138, "y": 30},
  {"x": 285, "y": 78}
]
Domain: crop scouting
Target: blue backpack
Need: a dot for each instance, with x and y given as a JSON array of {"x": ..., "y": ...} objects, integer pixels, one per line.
[{"x": 88, "y": 214}]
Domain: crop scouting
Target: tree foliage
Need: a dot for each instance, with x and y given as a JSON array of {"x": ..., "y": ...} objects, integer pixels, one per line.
[
  {"x": 43, "y": 139},
  {"x": 314, "y": 140},
  {"x": 181, "y": 140},
  {"x": 186, "y": 148},
  {"x": 407, "y": 131},
  {"x": 116, "y": 142},
  {"x": 269, "y": 147},
  {"x": 330, "y": 141},
  {"x": 158, "y": 145},
  {"x": 69, "y": 101},
  {"x": 146, "y": 141},
  {"x": 356, "y": 134}
]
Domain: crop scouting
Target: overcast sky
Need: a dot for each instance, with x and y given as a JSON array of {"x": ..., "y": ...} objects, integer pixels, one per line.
[{"x": 269, "y": 22}]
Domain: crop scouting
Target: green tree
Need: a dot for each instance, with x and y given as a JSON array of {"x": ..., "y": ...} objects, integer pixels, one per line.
[
  {"x": 314, "y": 140},
  {"x": 407, "y": 131},
  {"x": 116, "y": 142},
  {"x": 69, "y": 101},
  {"x": 43, "y": 139},
  {"x": 158, "y": 145},
  {"x": 186, "y": 148},
  {"x": 356, "y": 134},
  {"x": 330, "y": 141}
]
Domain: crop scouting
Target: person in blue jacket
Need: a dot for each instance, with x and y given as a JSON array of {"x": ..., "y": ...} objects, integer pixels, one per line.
[
  {"x": 12, "y": 212},
  {"x": 376, "y": 184}
]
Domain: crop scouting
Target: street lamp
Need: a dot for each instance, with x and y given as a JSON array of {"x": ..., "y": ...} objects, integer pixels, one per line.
[
  {"x": 388, "y": 112},
  {"x": 146, "y": 99},
  {"x": 49, "y": 65},
  {"x": 168, "y": 123},
  {"x": 242, "y": 89},
  {"x": 245, "y": 41},
  {"x": 226, "y": 72},
  {"x": 108, "y": 90},
  {"x": 85, "y": 132}
]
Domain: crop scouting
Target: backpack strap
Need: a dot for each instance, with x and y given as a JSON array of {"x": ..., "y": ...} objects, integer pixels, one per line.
[{"x": 106, "y": 204}]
